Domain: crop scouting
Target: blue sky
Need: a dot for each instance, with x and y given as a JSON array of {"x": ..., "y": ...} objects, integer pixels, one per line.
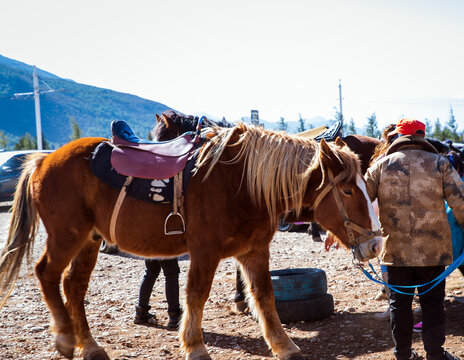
[{"x": 285, "y": 58}]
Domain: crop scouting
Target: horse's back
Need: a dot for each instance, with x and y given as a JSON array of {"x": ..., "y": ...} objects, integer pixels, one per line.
[{"x": 64, "y": 178}]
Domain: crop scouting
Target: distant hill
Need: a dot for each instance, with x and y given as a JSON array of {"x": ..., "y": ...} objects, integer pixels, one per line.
[{"x": 93, "y": 108}]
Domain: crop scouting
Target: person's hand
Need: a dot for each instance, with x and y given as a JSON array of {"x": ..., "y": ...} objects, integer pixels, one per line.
[{"x": 329, "y": 241}]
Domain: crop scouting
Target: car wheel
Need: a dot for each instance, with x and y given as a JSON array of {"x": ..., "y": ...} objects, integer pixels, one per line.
[
  {"x": 108, "y": 248},
  {"x": 298, "y": 284},
  {"x": 305, "y": 310}
]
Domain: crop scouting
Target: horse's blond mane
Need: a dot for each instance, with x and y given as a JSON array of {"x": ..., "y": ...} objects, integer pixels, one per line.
[{"x": 277, "y": 165}]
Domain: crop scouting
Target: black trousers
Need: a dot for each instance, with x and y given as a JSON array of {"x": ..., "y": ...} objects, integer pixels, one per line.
[
  {"x": 171, "y": 272},
  {"x": 433, "y": 314}
]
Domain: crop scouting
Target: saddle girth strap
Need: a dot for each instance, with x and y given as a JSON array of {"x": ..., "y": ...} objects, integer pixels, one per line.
[{"x": 117, "y": 207}]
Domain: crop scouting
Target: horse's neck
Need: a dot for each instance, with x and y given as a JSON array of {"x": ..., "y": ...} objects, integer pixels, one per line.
[{"x": 314, "y": 184}]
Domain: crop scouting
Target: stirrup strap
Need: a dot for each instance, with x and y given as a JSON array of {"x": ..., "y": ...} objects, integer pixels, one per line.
[
  {"x": 177, "y": 205},
  {"x": 117, "y": 207}
]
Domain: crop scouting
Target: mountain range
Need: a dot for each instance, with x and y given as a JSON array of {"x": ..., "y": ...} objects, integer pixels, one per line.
[{"x": 91, "y": 107}]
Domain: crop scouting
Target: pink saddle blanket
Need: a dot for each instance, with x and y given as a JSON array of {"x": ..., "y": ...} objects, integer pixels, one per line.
[{"x": 151, "y": 161}]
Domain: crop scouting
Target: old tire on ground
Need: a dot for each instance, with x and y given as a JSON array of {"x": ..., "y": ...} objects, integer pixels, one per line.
[
  {"x": 298, "y": 284},
  {"x": 285, "y": 226},
  {"x": 107, "y": 248},
  {"x": 305, "y": 310}
]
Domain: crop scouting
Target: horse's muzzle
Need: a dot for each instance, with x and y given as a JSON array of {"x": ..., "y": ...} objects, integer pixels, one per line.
[{"x": 368, "y": 249}]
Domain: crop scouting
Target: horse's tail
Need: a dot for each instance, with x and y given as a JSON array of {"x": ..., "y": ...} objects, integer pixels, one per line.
[{"x": 23, "y": 228}]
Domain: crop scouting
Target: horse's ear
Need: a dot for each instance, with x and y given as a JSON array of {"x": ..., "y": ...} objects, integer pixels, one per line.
[
  {"x": 158, "y": 118},
  {"x": 164, "y": 119},
  {"x": 339, "y": 142},
  {"x": 327, "y": 155},
  {"x": 325, "y": 148}
]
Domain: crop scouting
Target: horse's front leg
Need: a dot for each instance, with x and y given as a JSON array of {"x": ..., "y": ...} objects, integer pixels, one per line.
[
  {"x": 200, "y": 278},
  {"x": 258, "y": 278}
]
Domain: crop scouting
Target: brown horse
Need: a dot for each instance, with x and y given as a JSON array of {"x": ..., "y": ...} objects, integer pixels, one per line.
[
  {"x": 172, "y": 124},
  {"x": 245, "y": 179}
]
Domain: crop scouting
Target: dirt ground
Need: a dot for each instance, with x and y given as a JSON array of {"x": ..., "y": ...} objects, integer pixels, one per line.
[{"x": 350, "y": 333}]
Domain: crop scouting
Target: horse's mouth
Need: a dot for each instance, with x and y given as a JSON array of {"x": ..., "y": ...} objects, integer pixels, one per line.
[{"x": 369, "y": 249}]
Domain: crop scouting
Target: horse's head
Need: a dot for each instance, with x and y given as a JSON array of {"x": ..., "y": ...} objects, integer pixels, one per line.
[
  {"x": 341, "y": 203},
  {"x": 171, "y": 124}
]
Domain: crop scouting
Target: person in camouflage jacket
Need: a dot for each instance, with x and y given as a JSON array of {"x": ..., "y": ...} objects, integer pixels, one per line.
[{"x": 411, "y": 183}]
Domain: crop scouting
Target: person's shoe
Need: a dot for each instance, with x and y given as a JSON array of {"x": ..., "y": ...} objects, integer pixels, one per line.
[
  {"x": 381, "y": 295},
  {"x": 383, "y": 316},
  {"x": 143, "y": 317},
  {"x": 417, "y": 328},
  {"x": 174, "y": 319},
  {"x": 448, "y": 356}
]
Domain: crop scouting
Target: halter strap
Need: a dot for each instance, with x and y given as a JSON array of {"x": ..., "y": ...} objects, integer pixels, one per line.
[{"x": 350, "y": 227}]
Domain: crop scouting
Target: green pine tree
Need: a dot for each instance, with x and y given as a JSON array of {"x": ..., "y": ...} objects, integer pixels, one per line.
[
  {"x": 451, "y": 127},
  {"x": 428, "y": 128},
  {"x": 26, "y": 142},
  {"x": 76, "y": 132},
  {"x": 351, "y": 128},
  {"x": 372, "y": 128},
  {"x": 282, "y": 125},
  {"x": 301, "y": 125},
  {"x": 437, "y": 131},
  {"x": 3, "y": 140}
]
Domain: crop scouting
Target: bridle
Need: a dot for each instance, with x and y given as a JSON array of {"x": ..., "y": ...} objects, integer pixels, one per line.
[{"x": 351, "y": 227}]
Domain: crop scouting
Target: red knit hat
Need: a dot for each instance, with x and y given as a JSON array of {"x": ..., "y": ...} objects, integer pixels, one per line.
[{"x": 409, "y": 127}]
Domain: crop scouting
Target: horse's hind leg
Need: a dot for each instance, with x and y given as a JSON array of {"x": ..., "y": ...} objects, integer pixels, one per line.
[
  {"x": 49, "y": 269},
  {"x": 256, "y": 269},
  {"x": 200, "y": 278},
  {"x": 75, "y": 285}
]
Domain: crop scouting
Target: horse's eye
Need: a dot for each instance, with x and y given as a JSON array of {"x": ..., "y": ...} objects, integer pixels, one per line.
[{"x": 347, "y": 192}]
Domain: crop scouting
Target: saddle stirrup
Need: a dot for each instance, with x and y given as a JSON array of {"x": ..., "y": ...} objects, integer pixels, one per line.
[{"x": 177, "y": 204}]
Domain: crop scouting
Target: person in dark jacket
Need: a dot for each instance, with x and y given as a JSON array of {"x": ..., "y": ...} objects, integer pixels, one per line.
[
  {"x": 171, "y": 273},
  {"x": 411, "y": 183}
]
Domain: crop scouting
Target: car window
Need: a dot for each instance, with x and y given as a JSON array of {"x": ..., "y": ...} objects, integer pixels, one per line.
[{"x": 14, "y": 162}]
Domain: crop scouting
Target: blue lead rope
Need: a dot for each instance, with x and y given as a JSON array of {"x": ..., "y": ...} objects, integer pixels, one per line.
[{"x": 396, "y": 288}]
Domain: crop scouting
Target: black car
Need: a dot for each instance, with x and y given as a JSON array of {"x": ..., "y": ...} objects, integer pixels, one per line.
[{"x": 10, "y": 169}]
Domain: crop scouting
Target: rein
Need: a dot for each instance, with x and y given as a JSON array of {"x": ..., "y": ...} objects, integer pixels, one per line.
[
  {"x": 396, "y": 288},
  {"x": 350, "y": 226}
]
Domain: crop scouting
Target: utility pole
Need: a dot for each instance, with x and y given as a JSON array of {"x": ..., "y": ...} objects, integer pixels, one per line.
[
  {"x": 340, "y": 97},
  {"x": 38, "y": 120},
  {"x": 36, "y": 93}
]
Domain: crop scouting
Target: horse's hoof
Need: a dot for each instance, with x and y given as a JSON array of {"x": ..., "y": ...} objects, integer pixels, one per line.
[
  {"x": 196, "y": 355},
  {"x": 98, "y": 354},
  {"x": 65, "y": 345},
  {"x": 241, "y": 306},
  {"x": 296, "y": 356}
]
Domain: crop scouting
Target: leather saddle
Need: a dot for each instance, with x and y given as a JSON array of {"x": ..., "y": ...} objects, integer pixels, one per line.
[
  {"x": 331, "y": 133},
  {"x": 136, "y": 157},
  {"x": 322, "y": 132}
]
